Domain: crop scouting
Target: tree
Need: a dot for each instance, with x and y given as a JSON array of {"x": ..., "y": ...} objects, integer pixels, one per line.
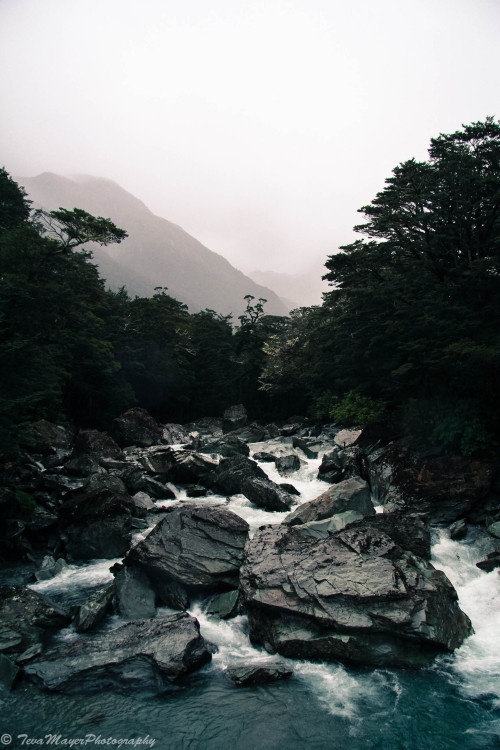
[
  {"x": 414, "y": 309},
  {"x": 77, "y": 227}
]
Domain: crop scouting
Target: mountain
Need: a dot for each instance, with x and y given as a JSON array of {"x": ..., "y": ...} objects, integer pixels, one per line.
[
  {"x": 156, "y": 252},
  {"x": 297, "y": 290}
]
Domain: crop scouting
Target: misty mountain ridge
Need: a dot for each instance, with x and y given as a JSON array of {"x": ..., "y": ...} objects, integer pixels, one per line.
[{"x": 156, "y": 252}]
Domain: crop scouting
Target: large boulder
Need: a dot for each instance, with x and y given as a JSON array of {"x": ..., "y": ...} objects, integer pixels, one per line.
[
  {"x": 192, "y": 467},
  {"x": 226, "y": 446},
  {"x": 137, "y": 427},
  {"x": 241, "y": 475},
  {"x": 234, "y": 417},
  {"x": 349, "y": 495},
  {"x": 341, "y": 464},
  {"x": 25, "y": 618},
  {"x": 194, "y": 550},
  {"x": 91, "y": 446},
  {"x": 46, "y": 438},
  {"x": 355, "y": 597},
  {"x": 445, "y": 488},
  {"x": 288, "y": 464},
  {"x": 145, "y": 655},
  {"x": 135, "y": 596},
  {"x": 98, "y": 523},
  {"x": 93, "y": 611},
  {"x": 252, "y": 673}
]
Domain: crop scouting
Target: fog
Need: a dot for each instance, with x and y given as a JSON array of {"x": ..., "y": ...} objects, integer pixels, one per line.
[{"x": 259, "y": 126}]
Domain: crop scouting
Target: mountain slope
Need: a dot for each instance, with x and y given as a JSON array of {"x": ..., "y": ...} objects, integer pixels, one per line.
[
  {"x": 305, "y": 289},
  {"x": 156, "y": 252}
]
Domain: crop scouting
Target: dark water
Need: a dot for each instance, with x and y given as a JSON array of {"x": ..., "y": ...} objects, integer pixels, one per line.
[{"x": 453, "y": 704}]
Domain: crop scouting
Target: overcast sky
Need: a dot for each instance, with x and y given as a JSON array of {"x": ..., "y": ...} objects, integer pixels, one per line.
[{"x": 259, "y": 126}]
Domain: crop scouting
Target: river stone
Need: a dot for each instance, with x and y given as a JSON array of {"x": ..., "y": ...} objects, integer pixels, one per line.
[
  {"x": 137, "y": 427},
  {"x": 490, "y": 562},
  {"x": 234, "y": 417},
  {"x": 193, "y": 550},
  {"x": 135, "y": 596},
  {"x": 345, "y": 438},
  {"x": 94, "y": 609},
  {"x": 322, "y": 529},
  {"x": 226, "y": 446},
  {"x": 145, "y": 654},
  {"x": 241, "y": 475},
  {"x": 25, "y": 618},
  {"x": 251, "y": 674},
  {"x": 356, "y": 597},
  {"x": 349, "y": 495},
  {"x": 8, "y": 673},
  {"x": 288, "y": 464},
  {"x": 224, "y": 605},
  {"x": 494, "y": 529},
  {"x": 98, "y": 523}
]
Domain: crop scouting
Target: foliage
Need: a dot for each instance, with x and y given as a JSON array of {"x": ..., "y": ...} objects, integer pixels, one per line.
[{"x": 350, "y": 410}]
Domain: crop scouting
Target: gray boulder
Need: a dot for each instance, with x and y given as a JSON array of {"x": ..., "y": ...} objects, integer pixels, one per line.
[
  {"x": 224, "y": 605},
  {"x": 142, "y": 655},
  {"x": 98, "y": 523},
  {"x": 8, "y": 673},
  {"x": 288, "y": 464},
  {"x": 135, "y": 596},
  {"x": 355, "y": 597},
  {"x": 240, "y": 475},
  {"x": 349, "y": 495},
  {"x": 234, "y": 417},
  {"x": 91, "y": 446},
  {"x": 226, "y": 446},
  {"x": 194, "y": 550},
  {"x": 341, "y": 464},
  {"x": 137, "y": 427},
  {"x": 93, "y": 611},
  {"x": 251, "y": 674},
  {"x": 26, "y": 617}
]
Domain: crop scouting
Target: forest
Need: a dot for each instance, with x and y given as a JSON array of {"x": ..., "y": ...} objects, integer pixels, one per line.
[{"x": 408, "y": 334}]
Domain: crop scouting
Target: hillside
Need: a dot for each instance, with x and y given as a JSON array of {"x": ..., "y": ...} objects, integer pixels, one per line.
[{"x": 156, "y": 252}]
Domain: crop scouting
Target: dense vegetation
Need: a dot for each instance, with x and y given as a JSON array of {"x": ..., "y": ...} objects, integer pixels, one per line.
[{"x": 410, "y": 330}]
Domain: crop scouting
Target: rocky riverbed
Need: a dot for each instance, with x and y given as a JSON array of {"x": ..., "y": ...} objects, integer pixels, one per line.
[{"x": 197, "y": 532}]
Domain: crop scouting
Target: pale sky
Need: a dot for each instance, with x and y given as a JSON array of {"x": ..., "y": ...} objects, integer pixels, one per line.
[{"x": 259, "y": 126}]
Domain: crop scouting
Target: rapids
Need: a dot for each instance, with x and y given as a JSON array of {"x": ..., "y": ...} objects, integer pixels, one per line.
[{"x": 453, "y": 704}]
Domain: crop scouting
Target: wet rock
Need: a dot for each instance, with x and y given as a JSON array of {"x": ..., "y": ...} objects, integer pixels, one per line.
[
  {"x": 252, "y": 433},
  {"x": 226, "y": 446},
  {"x": 346, "y": 438},
  {"x": 411, "y": 531},
  {"x": 307, "y": 446},
  {"x": 458, "y": 529},
  {"x": 288, "y": 464},
  {"x": 264, "y": 457},
  {"x": 251, "y": 674},
  {"x": 341, "y": 464},
  {"x": 240, "y": 475},
  {"x": 224, "y": 605},
  {"x": 289, "y": 488},
  {"x": 136, "y": 427},
  {"x": 494, "y": 529},
  {"x": 349, "y": 495},
  {"x": 194, "y": 550},
  {"x": 192, "y": 467},
  {"x": 145, "y": 655},
  {"x": 446, "y": 488},
  {"x": 491, "y": 562},
  {"x": 135, "y": 596},
  {"x": 97, "y": 524},
  {"x": 138, "y": 482},
  {"x": 45, "y": 437},
  {"x": 355, "y": 597},
  {"x": 234, "y": 417},
  {"x": 206, "y": 426},
  {"x": 105, "y": 481},
  {"x": 50, "y": 568},
  {"x": 29, "y": 654},
  {"x": 26, "y": 617},
  {"x": 177, "y": 434},
  {"x": 195, "y": 490},
  {"x": 90, "y": 447},
  {"x": 8, "y": 673},
  {"x": 93, "y": 611}
]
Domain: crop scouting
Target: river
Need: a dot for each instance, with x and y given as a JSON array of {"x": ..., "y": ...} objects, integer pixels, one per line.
[{"x": 455, "y": 703}]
